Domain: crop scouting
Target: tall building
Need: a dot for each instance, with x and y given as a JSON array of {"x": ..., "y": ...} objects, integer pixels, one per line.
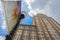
[
  {"x": 43, "y": 28},
  {"x": 25, "y": 32},
  {"x": 48, "y": 28}
]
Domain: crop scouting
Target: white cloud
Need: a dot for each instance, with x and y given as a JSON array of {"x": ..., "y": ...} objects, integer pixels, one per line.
[
  {"x": 50, "y": 8},
  {"x": 32, "y": 12},
  {"x": 29, "y": 6},
  {"x": 2, "y": 38},
  {"x": 2, "y": 11},
  {"x": 45, "y": 10},
  {"x": 36, "y": 10},
  {"x": 4, "y": 25},
  {"x": 28, "y": 1}
]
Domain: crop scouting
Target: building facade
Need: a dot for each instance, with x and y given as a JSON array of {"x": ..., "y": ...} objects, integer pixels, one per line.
[
  {"x": 25, "y": 32},
  {"x": 48, "y": 28}
]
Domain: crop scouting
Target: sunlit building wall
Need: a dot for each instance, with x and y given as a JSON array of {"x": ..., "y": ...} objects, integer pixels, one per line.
[{"x": 47, "y": 27}]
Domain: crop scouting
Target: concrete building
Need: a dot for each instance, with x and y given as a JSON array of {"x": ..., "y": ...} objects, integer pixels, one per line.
[
  {"x": 48, "y": 28},
  {"x": 25, "y": 32}
]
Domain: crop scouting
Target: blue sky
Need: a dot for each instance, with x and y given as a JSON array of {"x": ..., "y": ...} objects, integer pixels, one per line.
[
  {"x": 28, "y": 18},
  {"x": 48, "y": 7},
  {"x": 3, "y": 30},
  {"x": 3, "y": 26}
]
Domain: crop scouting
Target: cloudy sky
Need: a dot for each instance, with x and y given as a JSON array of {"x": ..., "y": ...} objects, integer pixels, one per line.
[
  {"x": 48, "y": 7},
  {"x": 3, "y": 30},
  {"x": 32, "y": 7}
]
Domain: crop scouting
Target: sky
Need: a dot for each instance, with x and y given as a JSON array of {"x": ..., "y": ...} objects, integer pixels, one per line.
[
  {"x": 3, "y": 26},
  {"x": 50, "y": 8},
  {"x": 33, "y": 7},
  {"x": 28, "y": 19}
]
